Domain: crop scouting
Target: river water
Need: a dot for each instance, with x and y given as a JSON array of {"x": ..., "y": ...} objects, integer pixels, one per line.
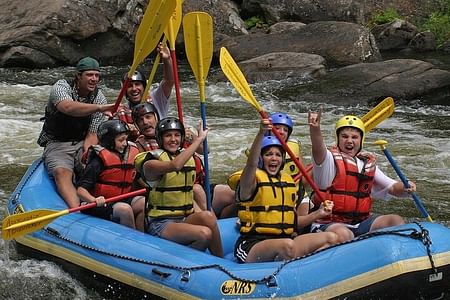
[{"x": 418, "y": 137}]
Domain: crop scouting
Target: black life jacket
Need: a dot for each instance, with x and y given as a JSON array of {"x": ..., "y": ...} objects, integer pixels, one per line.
[{"x": 65, "y": 128}]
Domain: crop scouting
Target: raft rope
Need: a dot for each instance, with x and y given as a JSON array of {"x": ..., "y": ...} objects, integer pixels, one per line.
[
  {"x": 270, "y": 280},
  {"x": 24, "y": 181}
]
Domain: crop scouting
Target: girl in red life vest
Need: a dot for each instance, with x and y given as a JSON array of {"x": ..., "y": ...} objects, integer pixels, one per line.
[{"x": 110, "y": 172}]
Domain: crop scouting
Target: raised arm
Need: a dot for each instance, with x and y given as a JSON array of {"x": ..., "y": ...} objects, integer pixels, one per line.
[
  {"x": 168, "y": 78},
  {"x": 319, "y": 150},
  {"x": 153, "y": 169},
  {"x": 247, "y": 183}
]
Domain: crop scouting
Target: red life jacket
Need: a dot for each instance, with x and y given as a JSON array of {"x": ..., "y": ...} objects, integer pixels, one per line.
[
  {"x": 117, "y": 175},
  {"x": 350, "y": 189},
  {"x": 147, "y": 144},
  {"x": 124, "y": 114},
  {"x": 199, "y": 168}
]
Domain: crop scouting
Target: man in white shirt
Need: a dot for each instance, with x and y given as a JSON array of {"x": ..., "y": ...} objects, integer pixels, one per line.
[{"x": 350, "y": 178}]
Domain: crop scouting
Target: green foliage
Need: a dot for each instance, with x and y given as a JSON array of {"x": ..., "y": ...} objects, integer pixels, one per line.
[
  {"x": 439, "y": 24},
  {"x": 384, "y": 17},
  {"x": 255, "y": 21}
]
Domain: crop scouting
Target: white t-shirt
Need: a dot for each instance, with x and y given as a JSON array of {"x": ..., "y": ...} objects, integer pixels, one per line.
[
  {"x": 160, "y": 101},
  {"x": 325, "y": 173}
]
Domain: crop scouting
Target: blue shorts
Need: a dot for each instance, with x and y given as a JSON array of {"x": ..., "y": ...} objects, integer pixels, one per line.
[
  {"x": 357, "y": 229},
  {"x": 155, "y": 226}
]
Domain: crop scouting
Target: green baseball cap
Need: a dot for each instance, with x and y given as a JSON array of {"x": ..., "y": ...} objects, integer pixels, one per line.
[{"x": 88, "y": 63}]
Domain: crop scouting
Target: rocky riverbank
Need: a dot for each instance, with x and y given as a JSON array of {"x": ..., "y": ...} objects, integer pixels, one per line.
[{"x": 324, "y": 42}]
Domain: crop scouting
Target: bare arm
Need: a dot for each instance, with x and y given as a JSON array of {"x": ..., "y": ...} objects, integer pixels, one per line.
[
  {"x": 90, "y": 139},
  {"x": 319, "y": 149},
  {"x": 399, "y": 190},
  {"x": 153, "y": 169},
  {"x": 304, "y": 218},
  {"x": 168, "y": 78},
  {"x": 87, "y": 197},
  {"x": 80, "y": 109},
  {"x": 247, "y": 183}
]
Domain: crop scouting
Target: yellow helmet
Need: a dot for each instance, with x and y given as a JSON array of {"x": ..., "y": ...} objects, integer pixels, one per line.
[{"x": 351, "y": 121}]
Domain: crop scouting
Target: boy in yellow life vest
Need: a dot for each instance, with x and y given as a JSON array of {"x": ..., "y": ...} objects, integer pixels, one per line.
[
  {"x": 170, "y": 172},
  {"x": 267, "y": 198}
]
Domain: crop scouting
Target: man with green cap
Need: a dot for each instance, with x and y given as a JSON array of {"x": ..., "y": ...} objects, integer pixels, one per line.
[{"x": 73, "y": 113}]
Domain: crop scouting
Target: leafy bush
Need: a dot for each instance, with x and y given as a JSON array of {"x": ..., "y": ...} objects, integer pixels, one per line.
[
  {"x": 384, "y": 17},
  {"x": 255, "y": 21},
  {"x": 439, "y": 24}
]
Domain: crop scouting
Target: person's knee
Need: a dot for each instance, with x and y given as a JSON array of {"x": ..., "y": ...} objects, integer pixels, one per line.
[
  {"x": 395, "y": 220},
  {"x": 123, "y": 210},
  {"x": 287, "y": 249},
  {"x": 342, "y": 233},
  {"x": 62, "y": 174},
  {"x": 208, "y": 219},
  {"x": 387, "y": 221},
  {"x": 332, "y": 238},
  {"x": 204, "y": 235}
]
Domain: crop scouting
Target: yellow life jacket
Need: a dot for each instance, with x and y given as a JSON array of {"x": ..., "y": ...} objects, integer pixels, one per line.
[
  {"x": 271, "y": 211},
  {"x": 289, "y": 166},
  {"x": 172, "y": 195}
]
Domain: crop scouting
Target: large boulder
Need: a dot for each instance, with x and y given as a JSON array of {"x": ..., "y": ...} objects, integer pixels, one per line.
[
  {"x": 47, "y": 33},
  {"x": 283, "y": 65},
  {"x": 400, "y": 78},
  {"x": 356, "y": 11},
  {"x": 340, "y": 43}
]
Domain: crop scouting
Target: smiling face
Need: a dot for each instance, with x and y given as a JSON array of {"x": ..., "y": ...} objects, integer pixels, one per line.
[
  {"x": 134, "y": 92},
  {"x": 120, "y": 142},
  {"x": 171, "y": 140},
  {"x": 87, "y": 82},
  {"x": 349, "y": 140},
  {"x": 272, "y": 159},
  {"x": 147, "y": 124}
]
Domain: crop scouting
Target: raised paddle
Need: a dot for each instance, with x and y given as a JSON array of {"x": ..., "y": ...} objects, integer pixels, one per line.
[
  {"x": 171, "y": 32},
  {"x": 149, "y": 33},
  {"x": 30, "y": 221},
  {"x": 417, "y": 200},
  {"x": 234, "y": 74},
  {"x": 151, "y": 76},
  {"x": 376, "y": 115},
  {"x": 198, "y": 40}
]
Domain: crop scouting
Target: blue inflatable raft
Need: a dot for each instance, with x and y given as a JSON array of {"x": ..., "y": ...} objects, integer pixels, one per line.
[{"x": 408, "y": 262}]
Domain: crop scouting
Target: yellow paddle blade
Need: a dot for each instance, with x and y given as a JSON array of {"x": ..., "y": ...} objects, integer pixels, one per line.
[
  {"x": 21, "y": 224},
  {"x": 198, "y": 40},
  {"x": 235, "y": 76},
  {"x": 379, "y": 113},
  {"x": 174, "y": 24},
  {"x": 154, "y": 21}
]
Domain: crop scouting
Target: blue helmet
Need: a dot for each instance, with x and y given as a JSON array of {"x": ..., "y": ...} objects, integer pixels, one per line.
[
  {"x": 282, "y": 119},
  {"x": 270, "y": 141}
]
